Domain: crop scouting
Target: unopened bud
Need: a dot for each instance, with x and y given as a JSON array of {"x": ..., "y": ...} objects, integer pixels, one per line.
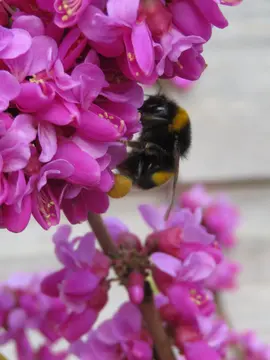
[
  {"x": 136, "y": 287},
  {"x": 156, "y": 15}
]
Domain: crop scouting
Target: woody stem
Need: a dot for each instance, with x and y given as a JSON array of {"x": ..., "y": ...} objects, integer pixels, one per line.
[{"x": 149, "y": 312}]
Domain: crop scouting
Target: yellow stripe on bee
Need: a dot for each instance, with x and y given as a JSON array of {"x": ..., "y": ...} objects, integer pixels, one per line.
[
  {"x": 180, "y": 120},
  {"x": 161, "y": 177},
  {"x": 122, "y": 186}
]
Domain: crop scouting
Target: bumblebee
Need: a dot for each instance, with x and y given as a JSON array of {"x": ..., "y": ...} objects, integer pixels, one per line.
[{"x": 165, "y": 139}]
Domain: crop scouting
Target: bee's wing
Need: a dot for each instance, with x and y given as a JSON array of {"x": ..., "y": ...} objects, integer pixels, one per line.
[{"x": 176, "y": 155}]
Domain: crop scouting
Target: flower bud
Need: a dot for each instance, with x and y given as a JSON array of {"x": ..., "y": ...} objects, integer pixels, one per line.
[
  {"x": 156, "y": 15},
  {"x": 136, "y": 287}
]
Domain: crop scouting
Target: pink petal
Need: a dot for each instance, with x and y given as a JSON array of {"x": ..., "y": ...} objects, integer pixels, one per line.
[
  {"x": 6, "y": 37},
  {"x": 56, "y": 169},
  {"x": 106, "y": 181},
  {"x": 16, "y": 158},
  {"x": 30, "y": 23},
  {"x": 189, "y": 21},
  {"x": 86, "y": 249},
  {"x": 9, "y": 88},
  {"x": 124, "y": 10},
  {"x": 71, "y": 47},
  {"x": 92, "y": 80},
  {"x": 63, "y": 80},
  {"x": 194, "y": 234},
  {"x": 19, "y": 44},
  {"x": 200, "y": 350},
  {"x": 127, "y": 322},
  {"x": 95, "y": 127},
  {"x": 80, "y": 283},
  {"x": 143, "y": 48},
  {"x": 17, "y": 185},
  {"x": 97, "y": 201},
  {"x": 16, "y": 319},
  {"x": 78, "y": 324},
  {"x": 166, "y": 263},
  {"x": 45, "y": 207},
  {"x": 152, "y": 216},
  {"x": 212, "y": 13},
  {"x": 45, "y": 52},
  {"x": 20, "y": 66},
  {"x": 94, "y": 148},
  {"x": 4, "y": 189},
  {"x": 101, "y": 30},
  {"x": 62, "y": 234},
  {"x": 48, "y": 141},
  {"x": 198, "y": 266},
  {"x": 129, "y": 93},
  {"x": 115, "y": 227},
  {"x": 14, "y": 221},
  {"x": 86, "y": 169},
  {"x": 50, "y": 284},
  {"x": 32, "y": 98},
  {"x": 46, "y": 5},
  {"x": 60, "y": 113}
]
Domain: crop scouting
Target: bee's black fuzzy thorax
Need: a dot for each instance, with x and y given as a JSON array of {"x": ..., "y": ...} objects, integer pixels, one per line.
[{"x": 165, "y": 136}]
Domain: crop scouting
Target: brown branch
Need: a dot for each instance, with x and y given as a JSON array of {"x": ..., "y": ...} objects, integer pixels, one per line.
[{"x": 149, "y": 312}]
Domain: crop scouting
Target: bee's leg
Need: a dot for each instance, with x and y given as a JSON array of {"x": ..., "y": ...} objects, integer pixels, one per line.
[
  {"x": 139, "y": 170},
  {"x": 136, "y": 145},
  {"x": 155, "y": 148}
]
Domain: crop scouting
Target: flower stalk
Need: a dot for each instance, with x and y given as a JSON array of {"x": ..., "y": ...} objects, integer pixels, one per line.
[{"x": 148, "y": 310}]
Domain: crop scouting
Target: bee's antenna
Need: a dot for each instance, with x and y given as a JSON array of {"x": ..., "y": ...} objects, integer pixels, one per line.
[{"x": 175, "y": 180}]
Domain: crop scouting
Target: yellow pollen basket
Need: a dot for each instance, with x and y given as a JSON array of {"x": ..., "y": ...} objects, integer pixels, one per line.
[
  {"x": 179, "y": 121},
  {"x": 161, "y": 177},
  {"x": 122, "y": 186}
]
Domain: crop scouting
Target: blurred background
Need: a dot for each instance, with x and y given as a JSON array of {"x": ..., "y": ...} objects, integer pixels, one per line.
[{"x": 229, "y": 109}]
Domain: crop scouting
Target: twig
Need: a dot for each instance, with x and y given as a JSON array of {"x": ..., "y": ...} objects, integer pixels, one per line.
[{"x": 149, "y": 312}]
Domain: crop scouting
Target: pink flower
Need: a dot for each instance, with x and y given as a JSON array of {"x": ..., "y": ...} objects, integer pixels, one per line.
[
  {"x": 224, "y": 276},
  {"x": 182, "y": 234},
  {"x": 24, "y": 307},
  {"x": 183, "y": 280},
  {"x": 14, "y": 42},
  {"x": 196, "y": 197},
  {"x": 122, "y": 336},
  {"x": 121, "y": 28},
  {"x": 67, "y": 13},
  {"x": 14, "y": 156},
  {"x": 221, "y": 218},
  {"x": 252, "y": 347},
  {"x": 196, "y": 17},
  {"x": 80, "y": 283}
]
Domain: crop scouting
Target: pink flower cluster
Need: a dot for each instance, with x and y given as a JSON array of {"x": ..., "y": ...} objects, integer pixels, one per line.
[
  {"x": 69, "y": 94},
  {"x": 182, "y": 260},
  {"x": 81, "y": 284},
  {"x": 23, "y": 307}
]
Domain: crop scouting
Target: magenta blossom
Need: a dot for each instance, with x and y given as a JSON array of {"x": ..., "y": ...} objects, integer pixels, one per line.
[
  {"x": 181, "y": 234},
  {"x": 221, "y": 218},
  {"x": 224, "y": 276},
  {"x": 183, "y": 280},
  {"x": 197, "y": 17},
  {"x": 24, "y": 307},
  {"x": 121, "y": 337},
  {"x": 80, "y": 284}
]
